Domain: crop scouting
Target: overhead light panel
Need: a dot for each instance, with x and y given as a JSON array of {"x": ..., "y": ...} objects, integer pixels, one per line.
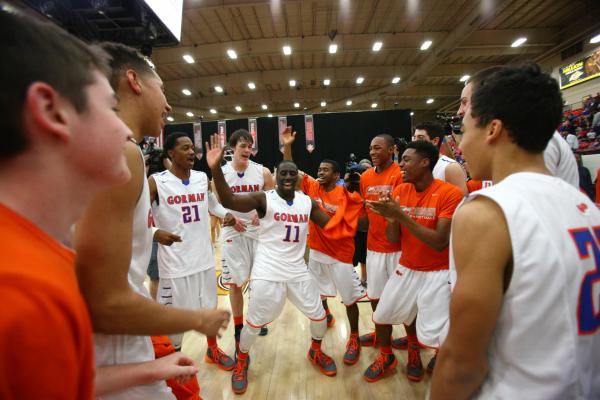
[
  {"x": 374, "y": 105},
  {"x": 213, "y": 111},
  {"x": 238, "y": 108},
  {"x": 264, "y": 107},
  {"x": 187, "y": 92},
  {"x": 219, "y": 89},
  {"x": 360, "y": 80},
  {"x": 292, "y": 82},
  {"x": 349, "y": 103},
  {"x": 395, "y": 80},
  {"x": 232, "y": 54},
  {"x": 170, "y": 119},
  {"x": 251, "y": 85},
  {"x": 595, "y": 39},
  {"x": 326, "y": 82},
  {"x": 332, "y": 48},
  {"x": 465, "y": 78},
  {"x": 518, "y": 42},
  {"x": 296, "y": 105},
  {"x": 429, "y": 101},
  {"x": 377, "y": 46},
  {"x": 287, "y": 50},
  {"x": 323, "y": 103},
  {"x": 412, "y": 113},
  {"x": 270, "y": 115},
  {"x": 189, "y": 114},
  {"x": 188, "y": 59},
  {"x": 426, "y": 44}
]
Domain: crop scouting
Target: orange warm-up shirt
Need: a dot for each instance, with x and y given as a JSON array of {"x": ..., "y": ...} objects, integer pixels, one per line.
[
  {"x": 474, "y": 185},
  {"x": 46, "y": 351},
  {"x": 336, "y": 244},
  {"x": 371, "y": 185},
  {"x": 438, "y": 201}
]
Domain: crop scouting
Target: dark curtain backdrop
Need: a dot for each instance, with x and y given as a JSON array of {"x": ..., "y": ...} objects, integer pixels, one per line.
[{"x": 336, "y": 136}]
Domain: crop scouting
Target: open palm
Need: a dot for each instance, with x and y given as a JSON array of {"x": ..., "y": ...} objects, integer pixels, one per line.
[
  {"x": 287, "y": 136},
  {"x": 214, "y": 152}
]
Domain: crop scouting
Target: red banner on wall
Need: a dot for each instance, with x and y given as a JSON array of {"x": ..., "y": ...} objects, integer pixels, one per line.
[
  {"x": 254, "y": 133},
  {"x": 198, "y": 140},
  {"x": 310, "y": 132},
  {"x": 282, "y": 127},
  {"x": 222, "y": 130}
]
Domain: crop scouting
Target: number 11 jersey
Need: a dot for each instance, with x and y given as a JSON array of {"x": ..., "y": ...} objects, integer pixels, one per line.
[{"x": 282, "y": 239}]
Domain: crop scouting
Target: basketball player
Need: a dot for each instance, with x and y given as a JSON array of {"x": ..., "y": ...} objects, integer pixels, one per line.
[
  {"x": 56, "y": 100},
  {"x": 330, "y": 260},
  {"x": 279, "y": 270},
  {"x": 446, "y": 169},
  {"x": 420, "y": 212},
  {"x": 238, "y": 242},
  {"x": 522, "y": 315},
  {"x": 382, "y": 256},
  {"x": 558, "y": 156},
  {"x": 181, "y": 201},
  {"x": 113, "y": 239}
]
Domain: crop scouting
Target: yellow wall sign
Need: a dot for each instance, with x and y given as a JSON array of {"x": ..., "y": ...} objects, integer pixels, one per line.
[{"x": 580, "y": 71}]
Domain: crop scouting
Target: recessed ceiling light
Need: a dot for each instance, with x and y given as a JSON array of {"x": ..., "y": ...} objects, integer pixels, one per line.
[
  {"x": 213, "y": 111},
  {"x": 297, "y": 105},
  {"x": 232, "y": 54},
  {"x": 426, "y": 44},
  {"x": 270, "y": 115},
  {"x": 326, "y": 82},
  {"x": 264, "y": 107},
  {"x": 170, "y": 119},
  {"x": 323, "y": 103},
  {"x": 251, "y": 85},
  {"x": 518, "y": 42},
  {"x": 429, "y": 101},
  {"x": 219, "y": 89},
  {"x": 396, "y": 79},
  {"x": 374, "y": 105},
  {"x": 292, "y": 82},
  {"x": 465, "y": 78},
  {"x": 377, "y": 46},
  {"x": 595, "y": 39},
  {"x": 360, "y": 80},
  {"x": 238, "y": 108},
  {"x": 412, "y": 113},
  {"x": 349, "y": 103},
  {"x": 187, "y": 92},
  {"x": 188, "y": 59},
  {"x": 332, "y": 48},
  {"x": 287, "y": 50},
  {"x": 189, "y": 114}
]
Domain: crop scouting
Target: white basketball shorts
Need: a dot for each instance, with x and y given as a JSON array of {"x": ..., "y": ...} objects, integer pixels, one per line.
[
  {"x": 237, "y": 254},
  {"x": 380, "y": 266},
  {"x": 335, "y": 276}
]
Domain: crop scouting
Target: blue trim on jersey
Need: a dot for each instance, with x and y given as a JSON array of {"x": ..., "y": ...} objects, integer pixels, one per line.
[{"x": 185, "y": 181}]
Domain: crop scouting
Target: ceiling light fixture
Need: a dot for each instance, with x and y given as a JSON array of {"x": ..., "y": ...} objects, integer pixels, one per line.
[
  {"x": 349, "y": 103},
  {"x": 251, "y": 85},
  {"x": 187, "y": 92},
  {"x": 377, "y": 46},
  {"x": 170, "y": 119},
  {"x": 189, "y": 114},
  {"x": 219, "y": 89},
  {"x": 332, "y": 48},
  {"x": 465, "y": 78},
  {"x": 374, "y": 105},
  {"x": 595, "y": 39},
  {"x": 264, "y": 106},
  {"x": 287, "y": 50},
  {"x": 412, "y": 113},
  {"x": 518, "y": 42},
  {"x": 396, "y": 80},
  {"x": 426, "y": 44},
  {"x": 429, "y": 101},
  {"x": 326, "y": 82},
  {"x": 232, "y": 54},
  {"x": 297, "y": 105},
  {"x": 213, "y": 111},
  {"x": 238, "y": 108},
  {"x": 323, "y": 103},
  {"x": 360, "y": 80},
  {"x": 270, "y": 115},
  {"x": 188, "y": 59},
  {"x": 292, "y": 82}
]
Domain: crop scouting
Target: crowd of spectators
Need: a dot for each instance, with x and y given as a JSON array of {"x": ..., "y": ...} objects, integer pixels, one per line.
[{"x": 581, "y": 127}]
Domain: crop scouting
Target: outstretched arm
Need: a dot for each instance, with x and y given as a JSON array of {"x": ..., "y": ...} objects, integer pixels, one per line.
[
  {"x": 238, "y": 202},
  {"x": 288, "y": 137}
]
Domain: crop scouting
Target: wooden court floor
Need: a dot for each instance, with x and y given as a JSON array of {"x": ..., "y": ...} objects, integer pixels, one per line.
[{"x": 279, "y": 367}]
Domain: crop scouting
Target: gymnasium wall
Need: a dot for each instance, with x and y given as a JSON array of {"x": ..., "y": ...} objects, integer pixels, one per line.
[{"x": 336, "y": 136}]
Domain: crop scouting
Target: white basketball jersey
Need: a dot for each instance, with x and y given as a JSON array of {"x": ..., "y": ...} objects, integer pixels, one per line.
[
  {"x": 560, "y": 161},
  {"x": 182, "y": 209},
  {"x": 546, "y": 344},
  {"x": 251, "y": 180},
  {"x": 439, "y": 170},
  {"x": 124, "y": 349},
  {"x": 282, "y": 239}
]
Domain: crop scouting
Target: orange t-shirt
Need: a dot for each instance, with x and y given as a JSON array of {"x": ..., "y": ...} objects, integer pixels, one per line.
[
  {"x": 348, "y": 204},
  {"x": 474, "y": 185},
  {"x": 438, "y": 201},
  {"x": 46, "y": 351},
  {"x": 371, "y": 185}
]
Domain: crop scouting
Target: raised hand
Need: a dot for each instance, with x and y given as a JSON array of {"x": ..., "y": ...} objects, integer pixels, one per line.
[
  {"x": 287, "y": 136},
  {"x": 386, "y": 207},
  {"x": 214, "y": 152}
]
